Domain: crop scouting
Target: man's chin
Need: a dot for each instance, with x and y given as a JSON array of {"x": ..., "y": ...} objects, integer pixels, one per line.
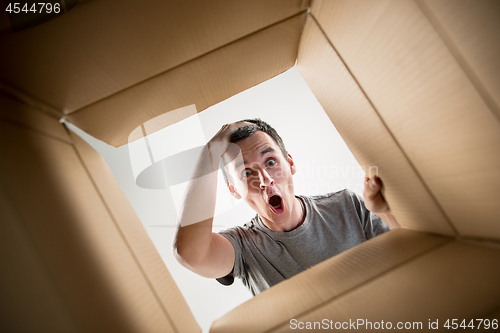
[{"x": 277, "y": 219}]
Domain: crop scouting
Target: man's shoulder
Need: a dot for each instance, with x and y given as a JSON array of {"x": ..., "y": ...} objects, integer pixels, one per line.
[
  {"x": 247, "y": 228},
  {"x": 343, "y": 200},
  {"x": 332, "y": 196}
]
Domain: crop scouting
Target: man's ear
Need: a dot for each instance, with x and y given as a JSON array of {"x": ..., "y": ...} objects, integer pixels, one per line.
[
  {"x": 233, "y": 191},
  {"x": 293, "y": 169}
]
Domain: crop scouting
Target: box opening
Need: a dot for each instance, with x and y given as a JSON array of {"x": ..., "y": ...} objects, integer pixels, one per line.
[{"x": 324, "y": 164}]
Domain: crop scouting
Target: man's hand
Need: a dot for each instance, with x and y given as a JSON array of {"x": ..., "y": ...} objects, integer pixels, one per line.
[
  {"x": 220, "y": 142},
  {"x": 375, "y": 202}
]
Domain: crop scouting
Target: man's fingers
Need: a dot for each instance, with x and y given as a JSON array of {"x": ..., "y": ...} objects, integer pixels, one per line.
[
  {"x": 226, "y": 130},
  {"x": 372, "y": 185},
  {"x": 376, "y": 183},
  {"x": 235, "y": 126},
  {"x": 374, "y": 200}
]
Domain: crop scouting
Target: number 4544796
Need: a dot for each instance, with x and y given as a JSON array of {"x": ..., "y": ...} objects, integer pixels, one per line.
[
  {"x": 40, "y": 7},
  {"x": 473, "y": 323}
]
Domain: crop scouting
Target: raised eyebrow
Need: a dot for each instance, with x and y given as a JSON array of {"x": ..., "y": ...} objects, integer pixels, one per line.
[
  {"x": 267, "y": 150},
  {"x": 262, "y": 153}
]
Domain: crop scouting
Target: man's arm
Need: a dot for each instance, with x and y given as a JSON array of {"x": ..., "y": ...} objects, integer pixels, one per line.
[
  {"x": 195, "y": 245},
  {"x": 375, "y": 202}
]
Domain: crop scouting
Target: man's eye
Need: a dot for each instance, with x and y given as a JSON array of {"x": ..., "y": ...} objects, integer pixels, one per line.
[
  {"x": 270, "y": 162},
  {"x": 247, "y": 173}
]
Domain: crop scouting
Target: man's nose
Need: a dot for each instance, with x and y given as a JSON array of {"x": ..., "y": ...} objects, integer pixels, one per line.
[{"x": 265, "y": 179}]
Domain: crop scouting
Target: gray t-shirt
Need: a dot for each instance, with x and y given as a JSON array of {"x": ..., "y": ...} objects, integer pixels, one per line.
[{"x": 334, "y": 223}]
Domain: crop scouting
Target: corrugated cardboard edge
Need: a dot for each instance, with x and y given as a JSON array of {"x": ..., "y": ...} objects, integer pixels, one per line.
[
  {"x": 449, "y": 289},
  {"x": 429, "y": 104},
  {"x": 77, "y": 247},
  {"x": 140, "y": 245},
  {"x": 328, "y": 281},
  {"x": 21, "y": 114},
  {"x": 27, "y": 287},
  {"x": 367, "y": 135},
  {"x": 203, "y": 81},
  {"x": 399, "y": 276},
  {"x": 100, "y": 48},
  {"x": 457, "y": 25}
]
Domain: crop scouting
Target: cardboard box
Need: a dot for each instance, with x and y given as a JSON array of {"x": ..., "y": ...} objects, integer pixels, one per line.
[{"x": 412, "y": 86}]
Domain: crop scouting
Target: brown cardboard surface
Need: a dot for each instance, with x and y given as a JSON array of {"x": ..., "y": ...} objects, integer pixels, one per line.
[
  {"x": 452, "y": 281},
  {"x": 366, "y": 134},
  {"x": 469, "y": 28},
  {"x": 100, "y": 48},
  {"x": 412, "y": 86},
  {"x": 28, "y": 100},
  {"x": 138, "y": 241},
  {"x": 327, "y": 281},
  {"x": 427, "y": 101},
  {"x": 204, "y": 81},
  {"x": 19, "y": 113},
  {"x": 30, "y": 302},
  {"x": 4, "y": 23},
  {"x": 74, "y": 237}
]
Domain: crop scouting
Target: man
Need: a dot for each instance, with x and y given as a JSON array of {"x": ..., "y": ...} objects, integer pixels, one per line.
[{"x": 289, "y": 233}]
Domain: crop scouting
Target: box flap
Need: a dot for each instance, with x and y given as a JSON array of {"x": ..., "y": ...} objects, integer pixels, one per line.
[
  {"x": 328, "y": 281},
  {"x": 79, "y": 256},
  {"x": 427, "y": 101},
  {"x": 21, "y": 114},
  {"x": 367, "y": 135},
  {"x": 100, "y": 48},
  {"x": 470, "y": 30},
  {"x": 203, "y": 82},
  {"x": 142, "y": 248},
  {"x": 162, "y": 55},
  {"x": 454, "y": 281}
]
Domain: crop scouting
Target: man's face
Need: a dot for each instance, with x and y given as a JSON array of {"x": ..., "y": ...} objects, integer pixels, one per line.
[{"x": 263, "y": 177}]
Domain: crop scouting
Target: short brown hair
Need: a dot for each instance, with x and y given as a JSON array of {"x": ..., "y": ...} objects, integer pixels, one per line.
[{"x": 247, "y": 131}]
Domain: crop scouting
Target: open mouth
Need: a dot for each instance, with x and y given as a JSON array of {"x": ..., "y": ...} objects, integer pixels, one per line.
[{"x": 276, "y": 204}]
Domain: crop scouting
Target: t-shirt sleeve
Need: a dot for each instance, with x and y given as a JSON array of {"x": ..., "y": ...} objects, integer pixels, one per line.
[
  {"x": 372, "y": 224},
  {"x": 234, "y": 237}
]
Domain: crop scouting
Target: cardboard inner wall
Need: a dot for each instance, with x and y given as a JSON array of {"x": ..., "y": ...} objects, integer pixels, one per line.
[
  {"x": 409, "y": 85},
  {"x": 468, "y": 28},
  {"x": 111, "y": 66},
  {"x": 27, "y": 288},
  {"x": 75, "y": 257},
  {"x": 328, "y": 281},
  {"x": 381, "y": 279},
  {"x": 449, "y": 289},
  {"x": 427, "y": 101},
  {"x": 103, "y": 47},
  {"x": 366, "y": 134},
  {"x": 83, "y": 261},
  {"x": 203, "y": 81}
]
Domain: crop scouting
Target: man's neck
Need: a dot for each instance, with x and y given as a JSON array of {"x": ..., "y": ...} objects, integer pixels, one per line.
[{"x": 296, "y": 219}]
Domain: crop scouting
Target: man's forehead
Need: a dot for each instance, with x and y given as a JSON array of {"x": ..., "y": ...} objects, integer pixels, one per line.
[
  {"x": 251, "y": 148},
  {"x": 256, "y": 142},
  {"x": 247, "y": 159}
]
